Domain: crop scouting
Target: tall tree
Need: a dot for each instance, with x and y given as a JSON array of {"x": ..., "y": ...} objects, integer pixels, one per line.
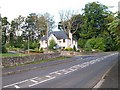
[
  {"x": 114, "y": 28},
  {"x": 49, "y": 22},
  {"x": 45, "y": 23},
  {"x": 65, "y": 23},
  {"x": 5, "y": 25},
  {"x": 16, "y": 31},
  {"x": 31, "y": 26},
  {"x": 70, "y": 21},
  {"x": 94, "y": 20}
]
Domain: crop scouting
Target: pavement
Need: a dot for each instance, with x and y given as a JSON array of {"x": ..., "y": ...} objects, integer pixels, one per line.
[{"x": 111, "y": 78}]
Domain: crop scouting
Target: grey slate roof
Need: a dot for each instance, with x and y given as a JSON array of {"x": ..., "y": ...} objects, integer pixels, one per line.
[{"x": 57, "y": 34}]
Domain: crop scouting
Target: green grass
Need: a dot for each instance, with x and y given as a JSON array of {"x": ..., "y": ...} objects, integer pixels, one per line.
[{"x": 11, "y": 55}]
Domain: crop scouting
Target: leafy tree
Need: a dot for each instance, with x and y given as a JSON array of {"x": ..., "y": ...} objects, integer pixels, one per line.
[
  {"x": 30, "y": 28},
  {"x": 94, "y": 20},
  {"x": 114, "y": 28},
  {"x": 12, "y": 35},
  {"x": 74, "y": 48},
  {"x": 15, "y": 39},
  {"x": 5, "y": 24},
  {"x": 4, "y": 29}
]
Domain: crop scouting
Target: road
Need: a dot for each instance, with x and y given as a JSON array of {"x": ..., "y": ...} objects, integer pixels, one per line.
[{"x": 82, "y": 72}]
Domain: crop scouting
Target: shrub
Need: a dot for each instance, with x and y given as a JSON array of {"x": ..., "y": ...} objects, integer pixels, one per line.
[
  {"x": 41, "y": 50},
  {"x": 52, "y": 44},
  {"x": 4, "y": 50},
  {"x": 33, "y": 45},
  {"x": 74, "y": 48},
  {"x": 81, "y": 43},
  {"x": 95, "y": 43},
  {"x": 78, "y": 50},
  {"x": 68, "y": 49}
]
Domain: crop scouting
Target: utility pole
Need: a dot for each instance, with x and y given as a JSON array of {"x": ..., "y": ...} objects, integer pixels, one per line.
[
  {"x": 28, "y": 43},
  {"x": 28, "y": 39},
  {"x": 47, "y": 33}
]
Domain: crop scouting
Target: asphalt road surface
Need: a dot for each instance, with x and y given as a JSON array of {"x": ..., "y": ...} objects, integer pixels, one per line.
[{"x": 83, "y": 72}]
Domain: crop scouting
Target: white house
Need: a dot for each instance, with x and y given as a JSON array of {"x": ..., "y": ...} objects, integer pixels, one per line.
[{"x": 61, "y": 38}]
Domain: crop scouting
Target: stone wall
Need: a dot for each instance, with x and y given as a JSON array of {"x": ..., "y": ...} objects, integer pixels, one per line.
[
  {"x": 13, "y": 61},
  {"x": 70, "y": 53}
]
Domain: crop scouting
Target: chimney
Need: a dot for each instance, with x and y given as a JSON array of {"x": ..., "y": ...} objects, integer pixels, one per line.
[{"x": 70, "y": 35}]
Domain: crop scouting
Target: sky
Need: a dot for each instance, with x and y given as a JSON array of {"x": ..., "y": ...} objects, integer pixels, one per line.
[{"x": 13, "y": 8}]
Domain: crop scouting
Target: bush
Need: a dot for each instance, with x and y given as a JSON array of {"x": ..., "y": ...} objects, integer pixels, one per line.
[
  {"x": 81, "y": 43},
  {"x": 33, "y": 45},
  {"x": 95, "y": 43},
  {"x": 4, "y": 50},
  {"x": 78, "y": 50},
  {"x": 68, "y": 49},
  {"x": 41, "y": 50},
  {"x": 74, "y": 48},
  {"x": 52, "y": 44}
]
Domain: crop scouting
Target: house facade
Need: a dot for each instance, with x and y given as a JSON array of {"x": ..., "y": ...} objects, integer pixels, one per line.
[{"x": 61, "y": 38}]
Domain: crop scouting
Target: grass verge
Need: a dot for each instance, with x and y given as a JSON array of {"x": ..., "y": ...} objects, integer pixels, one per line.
[{"x": 12, "y": 55}]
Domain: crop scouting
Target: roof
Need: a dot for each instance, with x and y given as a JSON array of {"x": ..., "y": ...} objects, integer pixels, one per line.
[{"x": 57, "y": 34}]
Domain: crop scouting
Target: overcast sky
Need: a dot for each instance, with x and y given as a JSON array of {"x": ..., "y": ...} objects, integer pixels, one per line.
[{"x": 14, "y": 8}]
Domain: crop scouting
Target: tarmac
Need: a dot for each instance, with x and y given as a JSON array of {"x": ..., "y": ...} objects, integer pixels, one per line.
[
  {"x": 111, "y": 79},
  {"x": 27, "y": 67}
]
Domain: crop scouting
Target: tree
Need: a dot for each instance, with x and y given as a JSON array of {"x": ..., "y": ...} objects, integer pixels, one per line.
[
  {"x": 5, "y": 24},
  {"x": 77, "y": 21},
  {"x": 30, "y": 28},
  {"x": 50, "y": 20},
  {"x": 46, "y": 23},
  {"x": 69, "y": 21},
  {"x": 114, "y": 28},
  {"x": 94, "y": 20},
  {"x": 15, "y": 38}
]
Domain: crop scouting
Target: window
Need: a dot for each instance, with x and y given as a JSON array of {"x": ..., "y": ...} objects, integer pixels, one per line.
[{"x": 64, "y": 40}]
